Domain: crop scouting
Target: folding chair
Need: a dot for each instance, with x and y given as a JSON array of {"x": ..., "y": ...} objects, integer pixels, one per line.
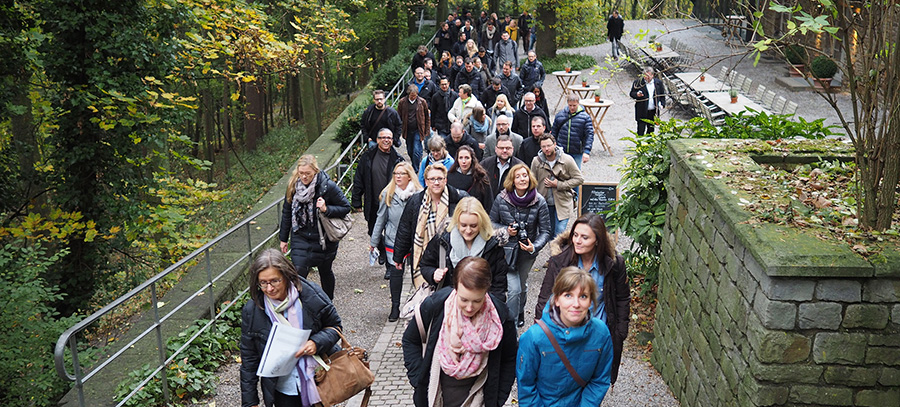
[
  {"x": 768, "y": 98},
  {"x": 723, "y": 73},
  {"x": 790, "y": 108},
  {"x": 745, "y": 87},
  {"x": 760, "y": 91},
  {"x": 778, "y": 107}
]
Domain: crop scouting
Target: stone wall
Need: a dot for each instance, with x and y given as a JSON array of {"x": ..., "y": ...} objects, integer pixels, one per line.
[{"x": 756, "y": 314}]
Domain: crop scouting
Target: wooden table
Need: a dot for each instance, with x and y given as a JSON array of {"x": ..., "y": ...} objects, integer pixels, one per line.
[
  {"x": 711, "y": 84},
  {"x": 584, "y": 92},
  {"x": 565, "y": 79},
  {"x": 597, "y": 111},
  {"x": 723, "y": 100}
]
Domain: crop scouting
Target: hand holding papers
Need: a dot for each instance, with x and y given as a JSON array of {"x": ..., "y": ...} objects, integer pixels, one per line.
[{"x": 278, "y": 357}]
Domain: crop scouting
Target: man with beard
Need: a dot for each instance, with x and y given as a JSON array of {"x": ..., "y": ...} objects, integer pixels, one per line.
[
  {"x": 532, "y": 71},
  {"x": 416, "y": 118},
  {"x": 501, "y": 128},
  {"x": 380, "y": 116},
  {"x": 512, "y": 82},
  {"x": 441, "y": 102},
  {"x": 425, "y": 86},
  {"x": 489, "y": 95},
  {"x": 499, "y": 162},
  {"x": 376, "y": 166},
  {"x": 469, "y": 76}
]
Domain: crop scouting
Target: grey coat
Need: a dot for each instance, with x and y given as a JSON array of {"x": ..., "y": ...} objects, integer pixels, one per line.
[
  {"x": 386, "y": 223},
  {"x": 506, "y": 51}
]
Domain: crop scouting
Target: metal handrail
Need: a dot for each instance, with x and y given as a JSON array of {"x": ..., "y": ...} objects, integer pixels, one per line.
[{"x": 68, "y": 338}]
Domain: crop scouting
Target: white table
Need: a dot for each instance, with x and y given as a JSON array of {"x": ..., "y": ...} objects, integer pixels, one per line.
[
  {"x": 651, "y": 51},
  {"x": 597, "y": 111},
  {"x": 710, "y": 84},
  {"x": 723, "y": 100},
  {"x": 565, "y": 79}
]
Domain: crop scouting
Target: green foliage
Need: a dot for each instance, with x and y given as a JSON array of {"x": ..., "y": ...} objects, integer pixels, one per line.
[
  {"x": 386, "y": 76},
  {"x": 29, "y": 327},
  {"x": 759, "y": 125},
  {"x": 193, "y": 374},
  {"x": 796, "y": 54},
  {"x": 576, "y": 61},
  {"x": 411, "y": 43},
  {"x": 823, "y": 67},
  {"x": 350, "y": 127}
]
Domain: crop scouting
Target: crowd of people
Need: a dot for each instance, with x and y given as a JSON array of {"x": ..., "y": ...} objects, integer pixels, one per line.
[{"x": 490, "y": 182}]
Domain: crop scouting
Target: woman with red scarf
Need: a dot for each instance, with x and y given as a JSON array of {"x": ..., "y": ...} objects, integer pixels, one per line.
[{"x": 460, "y": 348}]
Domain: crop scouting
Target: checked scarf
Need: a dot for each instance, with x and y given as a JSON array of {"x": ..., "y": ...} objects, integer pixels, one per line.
[{"x": 430, "y": 218}]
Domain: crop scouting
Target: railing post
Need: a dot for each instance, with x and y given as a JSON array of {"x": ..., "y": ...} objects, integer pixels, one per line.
[
  {"x": 73, "y": 344},
  {"x": 159, "y": 342},
  {"x": 209, "y": 279}
]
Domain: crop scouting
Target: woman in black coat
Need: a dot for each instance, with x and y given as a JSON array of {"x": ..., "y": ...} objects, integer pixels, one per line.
[
  {"x": 276, "y": 293},
  {"x": 588, "y": 247},
  {"x": 469, "y": 234},
  {"x": 466, "y": 349},
  {"x": 466, "y": 174},
  {"x": 523, "y": 212},
  {"x": 309, "y": 191}
]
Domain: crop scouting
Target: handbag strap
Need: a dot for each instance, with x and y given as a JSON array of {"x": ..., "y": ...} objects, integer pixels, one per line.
[
  {"x": 442, "y": 263},
  {"x": 421, "y": 326},
  {"x": 562, "y": 356}
]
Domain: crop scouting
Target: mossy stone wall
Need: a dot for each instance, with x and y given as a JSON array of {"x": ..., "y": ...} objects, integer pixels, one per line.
[{"x": 758, "y": 314}]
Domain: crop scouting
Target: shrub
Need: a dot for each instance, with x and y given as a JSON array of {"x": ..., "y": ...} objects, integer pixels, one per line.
[
  {"x": 348, "y": 128},
  {"x": 386, "y": 76},
  {"x": 796, "y": 54},
  {"x": 576, "y": 61},
  {"x": 412, "y": 42},
  {"x": 823, "y": 67},
  {"x": 29, "y": 327}
]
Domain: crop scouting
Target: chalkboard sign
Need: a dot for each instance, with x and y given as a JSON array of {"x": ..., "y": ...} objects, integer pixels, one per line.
[{"x": 597, "y": 197}]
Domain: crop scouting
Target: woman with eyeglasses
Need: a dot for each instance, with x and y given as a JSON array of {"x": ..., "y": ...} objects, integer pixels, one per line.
[
  {"x": 425, "y": 215},
  {"x": 278, "y": 295},
  {"x": 543, "y": 375},
  {"x": 466, "y": 174},
  {"x": 588, "y": 247},
  {"x": 468, "y": 234},
  {"x": 523, "y": 213},
  {"x": 309, "y": 193},
  {"x": 465, "y": 353},
  {"x": 393, "y": 200}
]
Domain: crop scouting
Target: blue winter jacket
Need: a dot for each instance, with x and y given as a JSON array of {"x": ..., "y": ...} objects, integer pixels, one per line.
[
  {"x": 543, "y": 379},
  {"x": 574, "y": 133}
]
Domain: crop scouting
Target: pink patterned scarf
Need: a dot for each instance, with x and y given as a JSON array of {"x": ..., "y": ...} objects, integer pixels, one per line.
[{"x": 463, "y": 343}]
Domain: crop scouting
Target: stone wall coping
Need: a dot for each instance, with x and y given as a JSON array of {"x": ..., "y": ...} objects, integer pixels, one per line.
[{"x": 781, "y": 251}]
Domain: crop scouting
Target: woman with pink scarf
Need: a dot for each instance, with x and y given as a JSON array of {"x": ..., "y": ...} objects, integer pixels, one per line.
[
  {"x": 280, "y": 296},
  {"x": 460, "y": 348}
]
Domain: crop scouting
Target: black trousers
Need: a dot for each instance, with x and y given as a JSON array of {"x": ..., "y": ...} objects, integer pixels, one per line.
[{"x": 644, "y": 127}]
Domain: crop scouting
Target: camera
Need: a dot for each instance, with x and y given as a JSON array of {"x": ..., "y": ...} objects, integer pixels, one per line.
[{"x": 521, "y": 233}]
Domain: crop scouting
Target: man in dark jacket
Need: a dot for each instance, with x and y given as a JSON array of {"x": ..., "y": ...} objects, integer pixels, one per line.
[
  {"x": 525, "y": 29},
  {"x": 614, "y": 29},
  {"x": 490, "y": 36},
  {"x": 531, "y": 146},
  {"x": 418, "y": 59},
  {"x": 574, "y": 131},
  {"x": 487, "y": 60},
  {"x": 443, "y": 41},
  {"x": 416, "y": 118},
  {"x": 498, "y": 164},
  {"x": 532, "y": 71},
  {"x": 489, "y": 95},
  {"x": 650, "y": 96},
  {"x": 459, "y": 47},
  {"x": 379, "y": 116},
  {"x": 458, "y": 137},
  {"x": 469, "y": 76},
  {"x": 441, "y": 102},
  {"x": 522, "y": 118},
  {"x": 373, "y": 173},
  {"x": 426, "y": 87},
  {"x": 511, "y": 81}
]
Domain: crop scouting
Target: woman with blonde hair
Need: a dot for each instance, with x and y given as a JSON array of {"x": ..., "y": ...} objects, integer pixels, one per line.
[
  {"x": 524, "y": 214},
  {"x": 393, "y": 199},
  {"x": 566, "y": 357},
  {"x": 309, "y": 191},
  {"x": 501, "y": 106},
  {"x": 513, "y": 30},
  {"x": 471, "y": 49},
  {"x": 460, "y": 348},
  {"x": 469, "y": 234}
]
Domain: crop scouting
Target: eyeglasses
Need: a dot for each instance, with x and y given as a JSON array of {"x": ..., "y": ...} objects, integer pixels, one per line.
[
  {"x": 436, "y": 179},
  {"x": 386, "y": 138},
  {"x": 274, "y": 283},
  {"x": 400, "y": 173}
]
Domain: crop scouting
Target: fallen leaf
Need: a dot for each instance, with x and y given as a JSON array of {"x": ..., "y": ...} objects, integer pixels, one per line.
[
  {"x": 861, "y": 249},
  {"x": 357, "y": 290}
]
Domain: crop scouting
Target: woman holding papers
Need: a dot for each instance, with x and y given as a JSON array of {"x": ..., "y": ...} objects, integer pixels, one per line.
[
  {"x": 460, "y": 348},
  {"x": 280, "y": 296}
]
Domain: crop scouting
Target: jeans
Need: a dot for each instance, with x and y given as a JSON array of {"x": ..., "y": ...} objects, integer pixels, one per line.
[
  {"x": 559, "y": 226},
  {"x": 615, "y": 47},
  {"x": 414, "y": 148},
  {"x": 517, "y": 284},
  {"x": 533, "y": 38}
]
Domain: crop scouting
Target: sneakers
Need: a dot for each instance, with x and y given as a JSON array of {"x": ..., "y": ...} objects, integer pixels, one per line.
[{"x": 521, "y": 321}]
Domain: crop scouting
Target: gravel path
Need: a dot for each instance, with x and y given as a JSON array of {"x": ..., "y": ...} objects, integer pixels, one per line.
[{"x": 362, "y": 295}]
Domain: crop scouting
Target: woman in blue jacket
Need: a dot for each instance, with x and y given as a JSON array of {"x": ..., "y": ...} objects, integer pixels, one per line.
[{"x": 543, "y": 377}]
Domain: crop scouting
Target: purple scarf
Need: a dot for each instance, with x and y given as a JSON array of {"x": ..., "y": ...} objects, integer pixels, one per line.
[
  {"x": 523, "y": 201},
  {"x": 306, "y": 366}
]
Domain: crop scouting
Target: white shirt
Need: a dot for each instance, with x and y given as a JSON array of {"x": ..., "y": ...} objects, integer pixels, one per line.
[{"x": 651, "y": 101}]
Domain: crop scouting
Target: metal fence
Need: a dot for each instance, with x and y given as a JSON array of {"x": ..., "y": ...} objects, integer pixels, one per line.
[{"x": 144, "y": 339}]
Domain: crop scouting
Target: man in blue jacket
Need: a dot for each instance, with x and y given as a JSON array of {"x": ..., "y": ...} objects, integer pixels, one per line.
[{"x": 574, "y": 131}]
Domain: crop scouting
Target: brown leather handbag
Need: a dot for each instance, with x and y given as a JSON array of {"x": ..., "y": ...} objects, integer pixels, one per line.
[{"x": 348, "y": 373}]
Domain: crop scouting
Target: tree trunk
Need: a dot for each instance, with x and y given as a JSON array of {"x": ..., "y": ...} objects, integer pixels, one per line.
[
  {"x": 443, "y": 9},
  {"x": 310, "y": 106},
  {"x": 209, "y": 127},
  {"x": 22, "y": 129},
  {"x": 411, "y": 18},
  {"x": 226, "y": 122},
  {"x": 546, "y": 14},
  {"x": 392, "y": 40},
  {"x": 253, "y": 117},
  {"x": 493, "y": 7}
]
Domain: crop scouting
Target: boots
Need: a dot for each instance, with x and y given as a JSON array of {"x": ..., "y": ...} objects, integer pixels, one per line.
[{"x": 396, "y": 278}]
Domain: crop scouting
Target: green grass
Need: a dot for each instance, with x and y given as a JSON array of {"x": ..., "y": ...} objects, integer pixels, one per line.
[{"x": 577, "y": 61}]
